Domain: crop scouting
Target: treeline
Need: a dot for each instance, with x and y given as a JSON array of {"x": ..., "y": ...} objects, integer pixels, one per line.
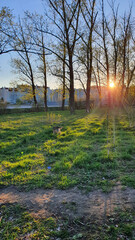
[{"x": 73, "y": 41}]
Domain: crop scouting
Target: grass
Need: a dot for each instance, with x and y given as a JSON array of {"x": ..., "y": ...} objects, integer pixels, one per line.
[
  {"x": 93, "y": 150},
  {"x": 18, "y": 223},
  {"x": 23, "y": 225}
]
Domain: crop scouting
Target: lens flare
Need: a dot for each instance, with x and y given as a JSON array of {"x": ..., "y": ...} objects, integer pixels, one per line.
[{"x": 111, "y": 85}]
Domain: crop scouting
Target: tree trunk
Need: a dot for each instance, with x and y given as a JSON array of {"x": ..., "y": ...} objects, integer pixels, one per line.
[
  {"x": 71, "y": 91},
  {"x": 33, "y": 87},
  {"x": 108, "y": 89},
  {"x": 124, "y": 69},
  {"x": 89, "y": 72},
  {"x": 32, "y": 79},
  {"x": 64, "y": 80},
  {"x": 34, "y": 94},
  {"x": 106, "y": 53},
  {"x": 90, "y": 54},
  {"x": 44, "y": 73},
  {"x": 63, "y": 101},
  {"x": 45, "y": 98},
  {"x": 63, "y": 95},
  {"x": 88, "y": 92},
  {"x": 45, "y": 85}
]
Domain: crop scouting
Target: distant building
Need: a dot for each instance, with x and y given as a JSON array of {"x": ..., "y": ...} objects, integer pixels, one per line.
[{"x": 12, "y": 95}]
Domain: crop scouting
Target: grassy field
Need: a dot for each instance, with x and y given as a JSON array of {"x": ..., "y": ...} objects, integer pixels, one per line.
[
  {"x": 17, "y": 223},
  {"x": 93, "y": 151}
]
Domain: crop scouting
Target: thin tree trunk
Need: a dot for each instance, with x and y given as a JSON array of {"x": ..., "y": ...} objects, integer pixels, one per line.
[
  {"x": 45, "y": 98},
  {"x": 45, "y": 81},
  {"x": 88, "y": 82},
  {"x": 106, "y": 54},
  {"x": 44, "y": 73},
  {"x": 126, "y": 36},
  {"x": 88, "y": 92},
  {"x": 71, "y": 91},
  {"x": 124, "y": 69},
  {"x": 89, "y": 73},
  {"x": 34, "y": 94},
  {"x": 64, "y": 80},
  {"x": 32, "y": 80},
  {"x": 63, "y": 99}
]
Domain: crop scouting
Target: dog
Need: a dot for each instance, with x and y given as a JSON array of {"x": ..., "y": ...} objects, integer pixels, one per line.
[{"x": 57, "y": 130}]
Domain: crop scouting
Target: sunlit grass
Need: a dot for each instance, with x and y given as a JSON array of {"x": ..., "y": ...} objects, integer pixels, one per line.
[{"x": 92, "y": 151}]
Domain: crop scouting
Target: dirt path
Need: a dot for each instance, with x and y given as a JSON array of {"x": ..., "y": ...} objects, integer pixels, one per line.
[{"x": 72, "y": 203}]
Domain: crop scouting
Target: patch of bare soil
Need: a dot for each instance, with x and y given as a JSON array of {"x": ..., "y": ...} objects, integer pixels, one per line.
[{"x": 72, "y": 203}]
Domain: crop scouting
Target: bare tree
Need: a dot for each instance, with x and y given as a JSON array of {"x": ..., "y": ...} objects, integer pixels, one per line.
[
  {"x": 23, "y": 64},
  {"x": 89, "y": 15},
  {"x": 67, "y": 14},
  {"x": 130, "y": 60},
  {"x": 113, "y": 30},
  {"x": 36, "y": 26},
  {"x": 59, "y": 70},
  {"x": 110, "y": 43},
  {"x": 106, "y": 54},
  {"x": 125, "y": 38}
]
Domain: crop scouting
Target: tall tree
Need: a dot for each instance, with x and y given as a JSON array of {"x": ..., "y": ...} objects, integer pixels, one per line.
[
  {"x": 106, "y": 53},
  {"x": 109, "y": 46},
  {"x": 36, "y": 26},
  {"x": 59, "y": 71},
  {"x": 130, "y": 59},
  {"x": 125, "y": 39},
  {"x": 23, "y": 64},
  {"x": 113, "y": 30},
  {"x": 67, "y": 14},
  {"x": 89, "y": 15}
]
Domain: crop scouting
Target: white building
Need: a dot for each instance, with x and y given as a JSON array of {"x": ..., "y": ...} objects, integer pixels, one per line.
[{"x": 11, "y": 95}]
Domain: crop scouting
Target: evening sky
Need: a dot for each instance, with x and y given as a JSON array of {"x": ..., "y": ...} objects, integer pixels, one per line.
[{"x": 18, "y": 7}]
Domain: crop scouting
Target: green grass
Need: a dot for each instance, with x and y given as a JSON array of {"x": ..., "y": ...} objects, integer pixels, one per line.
[
  {"x": 93, "y": 150},
  {"x": 17, "y": 223}
]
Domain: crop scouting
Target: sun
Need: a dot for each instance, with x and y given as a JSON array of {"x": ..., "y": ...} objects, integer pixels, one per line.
[{"x": 111, "y": 85}]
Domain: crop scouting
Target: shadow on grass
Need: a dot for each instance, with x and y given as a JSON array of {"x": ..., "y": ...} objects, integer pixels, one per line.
[{"x": 84, "y": 154}]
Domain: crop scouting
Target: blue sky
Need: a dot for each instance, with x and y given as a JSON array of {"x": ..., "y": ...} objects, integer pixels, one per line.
[{"x": 18, "y": 7}]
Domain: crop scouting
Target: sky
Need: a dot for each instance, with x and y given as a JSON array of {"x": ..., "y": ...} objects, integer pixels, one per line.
[{"x": 19, "y": 6}]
